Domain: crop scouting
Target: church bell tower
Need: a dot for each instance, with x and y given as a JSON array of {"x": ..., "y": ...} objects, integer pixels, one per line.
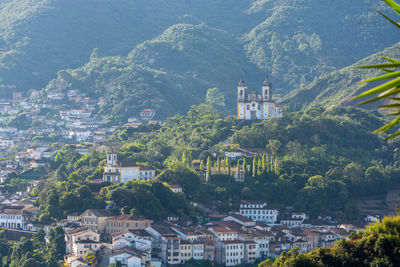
[
  {"x": 266, "y": 90},
  {"x": 241, "y": 98}
]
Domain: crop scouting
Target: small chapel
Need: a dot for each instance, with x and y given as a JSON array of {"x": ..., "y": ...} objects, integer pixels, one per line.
[{"x": 255, "y": 106}]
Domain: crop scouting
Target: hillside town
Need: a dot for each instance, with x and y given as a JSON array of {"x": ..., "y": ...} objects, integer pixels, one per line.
[
  {"x": 251, "y": 232},
  {"x": 245, "y": 234}
]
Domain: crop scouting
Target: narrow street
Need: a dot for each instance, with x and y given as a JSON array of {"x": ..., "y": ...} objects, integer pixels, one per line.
[{"x": 105, "y": 259}]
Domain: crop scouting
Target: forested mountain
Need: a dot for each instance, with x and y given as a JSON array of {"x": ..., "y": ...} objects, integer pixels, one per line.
[
  {"x": 338, "y": 87},
  {"x": 176, "y": 50}
]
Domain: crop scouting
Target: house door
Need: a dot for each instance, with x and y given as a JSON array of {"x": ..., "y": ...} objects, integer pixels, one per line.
[{"x": 253, "y": 115}]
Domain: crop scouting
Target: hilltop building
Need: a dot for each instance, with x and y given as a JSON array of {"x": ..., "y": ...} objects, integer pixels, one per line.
[
  {"x": 255, "y": 106},
  {"x": 121, "y": 171}
]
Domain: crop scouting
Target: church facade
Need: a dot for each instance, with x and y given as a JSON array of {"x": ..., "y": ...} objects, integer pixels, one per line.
[{"x": 255, "y": 106}]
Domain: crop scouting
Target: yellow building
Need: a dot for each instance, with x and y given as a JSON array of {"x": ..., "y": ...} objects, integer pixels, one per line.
[
  {"x": 121, "y": 223},
  {"x": 186, "y": 251},
  {"x": 96, "y": 219}
]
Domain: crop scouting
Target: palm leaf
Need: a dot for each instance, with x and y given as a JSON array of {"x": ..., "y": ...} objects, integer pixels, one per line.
[
  {"x": 389, "y": 19},
  {"x": 393, "y": 5},
  {"x": 390, "y": 59},
  {"x": 381, "y": 66},
  {"x": 383, "y": 77},
  {"x": 386, "y": 94},
  {"x": 393, "y": 135},
  {"x": 379, "y": 89},
  {"x": 390, "y": 106}
]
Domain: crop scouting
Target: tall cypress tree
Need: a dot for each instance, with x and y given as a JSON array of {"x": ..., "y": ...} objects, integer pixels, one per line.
[
  {"x": 263, "y": 163},
  {"x": 259, "y": 167},
  {"x": 254, "y": 170},
  {"x": 238, "y": 168},
  {"x": 219, "y": 165},
  {"x": 208, "y": 168},
  {"x": 276, "y": 166},
  {"x": 202, "y": 167},
  {"x": 228, "y": 165}
]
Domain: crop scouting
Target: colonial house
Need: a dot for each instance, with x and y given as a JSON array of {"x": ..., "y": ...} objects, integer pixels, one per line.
[
  {"x": 116, "y": 224},
  {"x": 222, "y": 233},
  {"x": 81, "y": 240},
  {"x": 17, "y": 217},
  {"x": 292, "y": 222},
  {"x": 176, "y": 188},
  {"x": 239, "y": 176},
  {"x": 138, "y": 239},
  {"x": 186, "y": 250},
  {"x": 240, "y": 219},
  {"x": 96, "y": 219},
  {"x": 258, "y": 211},
  {"x": 129, "y": 257},
  {"x": 230, "y": 252},
  {"x": 121, "y": 172},
  {"x": 166, "y": 243}
]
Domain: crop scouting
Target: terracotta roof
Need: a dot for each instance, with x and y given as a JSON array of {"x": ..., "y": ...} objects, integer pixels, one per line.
[
  {"x": 128, "y": 217},
  {"x": 101, "y": 212},
  {"x": 233, "y": 242}
]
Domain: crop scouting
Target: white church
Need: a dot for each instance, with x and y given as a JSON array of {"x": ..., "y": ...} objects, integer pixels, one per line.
[
  {"x": 255, "y": 106},
  {"x": 122, "y": 171}
]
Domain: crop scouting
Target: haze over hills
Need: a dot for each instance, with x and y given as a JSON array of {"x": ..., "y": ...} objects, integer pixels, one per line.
[
  {"x": 338, "y": 87},
  {"x": 156, "y": 54}
]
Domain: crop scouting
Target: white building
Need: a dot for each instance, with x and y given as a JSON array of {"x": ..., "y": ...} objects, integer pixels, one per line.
[
  {"x": 176, "y": 188},
  {"x": 121, "y": 172},
  {"x": 255, "y": 106},
  {"x": 17, "y": 217},
  {"x": 74, "y": 114},
  {"x": 230, "y": 253},
  {"x": 138, "y": 239},
  {"x": 166, "y": 243},
  {"x": 222, "y": 233},
  {"x": 234, "y": 154},
  {"x": 198, "y": 250},
  {"x": 128, "y": 257},
  {"x": 6, "y": 143},
  {"x": 258, "y": 211}
]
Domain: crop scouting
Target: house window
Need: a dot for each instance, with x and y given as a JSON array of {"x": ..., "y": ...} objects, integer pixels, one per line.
[{"x": 248, "y": 107}]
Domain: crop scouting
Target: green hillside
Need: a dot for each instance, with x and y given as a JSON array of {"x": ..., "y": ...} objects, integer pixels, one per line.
[
  {"x": 40, "y": 37},
  {"x": 146, "y": 56},
  {"x": 338, "y": 87},
  {"x": 169, "y": 73},
  {"x": 305, "y": 39}
]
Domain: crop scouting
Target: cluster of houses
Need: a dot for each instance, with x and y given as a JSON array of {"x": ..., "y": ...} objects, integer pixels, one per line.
[
  {"x": 49, "y": 116},
  {"x": 252, "y": 233},
  {"x": 17, "y": 211}
]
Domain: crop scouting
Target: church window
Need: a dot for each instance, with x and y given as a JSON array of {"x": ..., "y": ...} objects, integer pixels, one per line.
[
  {"x": 248, "y": 107},
  {"x": 259, "y": 107},
  {"x": 109, "y": 157},
  {"x": 254, "y": 105},
  {"x": 241, "y": 92}
]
